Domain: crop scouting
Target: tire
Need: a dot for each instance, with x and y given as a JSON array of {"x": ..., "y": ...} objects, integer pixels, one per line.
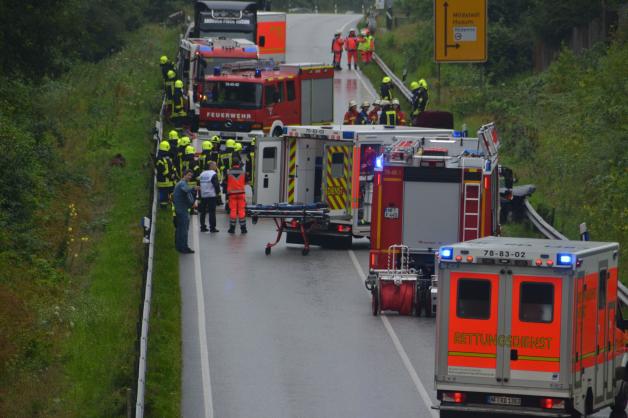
[
  {"x": 375, "y": 301},
  {"x": 278, "y": 131},
  {"x": 450, "y": 414}
]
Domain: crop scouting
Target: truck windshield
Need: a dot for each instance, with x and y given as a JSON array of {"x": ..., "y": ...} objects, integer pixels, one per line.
[
  {"x": 206, "y": 65},
  {"x": 235, "y": 95}
]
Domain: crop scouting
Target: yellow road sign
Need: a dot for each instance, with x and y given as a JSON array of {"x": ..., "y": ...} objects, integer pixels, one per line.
[{"x": 460, "y": 31}]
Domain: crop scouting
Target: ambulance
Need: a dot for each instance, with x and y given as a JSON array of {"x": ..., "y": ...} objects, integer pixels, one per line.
[
  {"x": 529, "y": 327},
  {"x": 329, "y": 164},
  {"x": 428, "y": 191}
]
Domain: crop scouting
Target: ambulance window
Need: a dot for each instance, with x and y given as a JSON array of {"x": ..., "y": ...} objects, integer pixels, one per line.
[
  {"x": 537, "y": 302},
  {"x": 474, "y": 299},
  {"x": 337, "y": 165},
  {"x": 291, "y": 90},
  {"x": 269, "y": 159},
  {"x": 601, "y": 289}
]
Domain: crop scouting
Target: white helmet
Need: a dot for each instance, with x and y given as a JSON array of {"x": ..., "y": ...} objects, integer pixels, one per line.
[
  {"x": 377, "y": 102},
  {"x": 352, "y": 103},
  {"x": 395, "y": 101},
  {"x": 338, "y": 32},
  {"x": 352, "y": 30},
  {"x": 366, "y": 104},
  {"x": 384, "y": 102}
]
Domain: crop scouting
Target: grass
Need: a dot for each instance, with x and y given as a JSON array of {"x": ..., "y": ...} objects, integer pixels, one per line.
[
  {"x": 163, "y": 384},
  {"x": 78, "y": 357}
]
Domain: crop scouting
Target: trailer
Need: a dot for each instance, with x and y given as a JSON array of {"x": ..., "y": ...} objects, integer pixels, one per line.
[
  {"x": 428, "y": 192},
  {"x": 529, "y": 327},
  {"x": 329, "y": 164}
]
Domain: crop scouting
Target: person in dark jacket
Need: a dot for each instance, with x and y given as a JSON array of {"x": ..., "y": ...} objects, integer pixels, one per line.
[
  {"x": 183, "y": 200},
  {"x": 363, "y": 116}
]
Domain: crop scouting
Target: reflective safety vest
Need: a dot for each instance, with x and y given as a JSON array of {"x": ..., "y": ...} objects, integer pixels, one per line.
[
  {"x": 179, "y": 103},
  {"x": 165, "y": 172},
  {"x": 388, "y": 117},
  {"x": 351, "y": 43},
  {"x": 236, "y": 181},
  {"x": 364, "y": 44}
]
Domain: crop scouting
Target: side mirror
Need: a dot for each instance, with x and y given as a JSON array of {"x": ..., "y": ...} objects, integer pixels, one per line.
[{"x": 261, "y": 41}]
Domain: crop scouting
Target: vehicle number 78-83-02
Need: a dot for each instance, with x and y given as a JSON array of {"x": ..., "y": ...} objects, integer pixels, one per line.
[{"x": 505, "y": 254}]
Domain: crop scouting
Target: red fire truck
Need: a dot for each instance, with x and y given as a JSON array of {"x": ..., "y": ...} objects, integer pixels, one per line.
[
  {"x": 256, "y": 96},
  {"x": 529, "y": 327},
  {"x": 428, "y": 191}
]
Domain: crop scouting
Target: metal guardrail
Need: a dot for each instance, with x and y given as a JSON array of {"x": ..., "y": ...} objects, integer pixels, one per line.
[{"x": 405, "y": 91}]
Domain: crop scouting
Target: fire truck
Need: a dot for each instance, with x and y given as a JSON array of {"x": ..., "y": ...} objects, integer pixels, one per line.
[
  {"x": 256, "y": 96},
  {"x": 428, "y": 192},
  {"x": 529, "y": 327},
  {"x": 242, "y": 20},
  {"x": 329, "y": 164},
  {"x": 199, "y": 56}
]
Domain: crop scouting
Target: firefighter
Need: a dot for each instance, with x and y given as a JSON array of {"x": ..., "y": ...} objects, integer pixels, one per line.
[
  {"x": 419, "y": 99},
  {"x": 179, "y": 113},
  {"x": 401, "y": 116},
  {"x": 336, "y": 49},
  {"x": 205, "y": 157},
  {"x": 371, "y": 46},
  {"x": 351, "y": 114},
  {"x": 215, "y": 148},
  {"x": 166, "y": 65},
  {"x": 236, "y": 181},
  {"x": 169, "y": 87},
  {"x": 166, "y": 174},
  {"x": 184, "y": 141},
  {"x": 351, "y": 46},
  {"x": 225, "y": 158},
  {"x": 173, "y": 140},
  {"x": 190, "y": 163},
  {"x": 388, "y": 116},
  {"x": 363, "y": 116},
  {"x": 385, "y": 90},
  {"x": 363, "y": 46},
  {"x": 250, "y": 171},
  {"x": 374, "y": 114}
]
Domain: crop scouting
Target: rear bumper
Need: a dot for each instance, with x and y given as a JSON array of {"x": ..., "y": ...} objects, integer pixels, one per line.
[{"x": 489, "y": 409}]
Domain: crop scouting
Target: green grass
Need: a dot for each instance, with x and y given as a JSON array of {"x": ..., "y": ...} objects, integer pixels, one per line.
[{"x": 163, "y": 384}]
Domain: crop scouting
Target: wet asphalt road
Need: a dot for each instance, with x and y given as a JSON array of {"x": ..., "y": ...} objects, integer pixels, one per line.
[{"x": 292, "y": 336}]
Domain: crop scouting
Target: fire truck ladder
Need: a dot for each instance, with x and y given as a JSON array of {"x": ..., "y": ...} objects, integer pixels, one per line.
[{"x": 471, "y": 209}]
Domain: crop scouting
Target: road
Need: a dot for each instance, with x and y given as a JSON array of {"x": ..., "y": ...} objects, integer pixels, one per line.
[{"x": 291, "y": 336}]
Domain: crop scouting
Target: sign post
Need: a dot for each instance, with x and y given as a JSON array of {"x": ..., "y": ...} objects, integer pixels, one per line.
[{"x": 460, "y": 31}]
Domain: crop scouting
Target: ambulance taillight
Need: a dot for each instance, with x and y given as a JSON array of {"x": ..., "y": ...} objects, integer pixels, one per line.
[
  {"x": 552, "y": 403},
  {"x": 454, "y": 397}
]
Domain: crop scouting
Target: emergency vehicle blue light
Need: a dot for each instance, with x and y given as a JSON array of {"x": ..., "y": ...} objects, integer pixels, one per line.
[
  {"x": 216, "y": 70},
  {"x": 564, "y": 259},
  {"x": 379, "y": 163},
  {"x": 258, "y": 73},
  {"x": 205, "y": 48},
  {"x": 285, "y": 130},
  {"x": 457, "y": 134},
  {"x": 446, "y": 253},
  {"x": 348, "y": 135},
  {"x": 250, "y": 49}
]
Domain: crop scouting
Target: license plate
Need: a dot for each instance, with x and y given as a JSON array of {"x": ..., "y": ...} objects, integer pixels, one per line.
[
  {"x": 391, "y": 213},
  {"x": 504, "y": 400}
]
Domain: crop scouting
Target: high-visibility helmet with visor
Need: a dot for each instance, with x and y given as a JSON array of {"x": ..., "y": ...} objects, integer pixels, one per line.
[
  {"x": 184, "y": 141},
  {"x": 414, "y": 85},
  {"x": 207, "y": 146},
  {"x": 238, "y": 146},
  {"x": 189, "y": 150},
  {"x": 386, "y": 79},
  {"x": 173, "y": 134},
  {"x": 352, "y": 103},
  {"x": 163, "y": 59},
  {"x": 230, "y": 143},
  {"x": 164, "y": 146},
  {"x": 215, "y": 139},
  {"x": 171, "y": 74},
  {"x": 423, "y": 83},
  {"x": 178, "y": 84}
]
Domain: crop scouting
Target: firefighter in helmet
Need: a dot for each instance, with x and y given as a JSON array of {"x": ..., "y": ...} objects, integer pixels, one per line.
[
  {"x": 374, "y": 114},
  {"x": 388, "y": 115},
  {"x": 183, "y": 143},
  {"x": 215, "y": 140},
  {"x": 363, "y": 116},
  {"x": 205, "y": 157},
  {"x": 169, "y": 89},
  {"x": 351, "y": 114},
  {"x": 166, "y": 65},
  {"x": 179, "y": 113},
  {"x": 336, "y": 49},
  {"x": 173, "y": 140},
  {"x": 401, "y": 116},
  {"x": 420, "y": 98},
  {"x": 386, "y": 88},
  {"x": 166, "y": 174}
]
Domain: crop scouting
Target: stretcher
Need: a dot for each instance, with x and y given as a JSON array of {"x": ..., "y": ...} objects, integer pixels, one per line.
[{"x": 291, "y": 218}]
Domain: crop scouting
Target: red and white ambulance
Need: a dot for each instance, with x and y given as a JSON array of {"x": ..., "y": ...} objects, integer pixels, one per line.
[
  {"x": 529, "y": 327},
  {"x": 427, "y": 192}
]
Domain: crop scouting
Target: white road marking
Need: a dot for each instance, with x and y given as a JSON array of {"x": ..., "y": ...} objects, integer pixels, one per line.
[
  {"x": 202, "y": 332},
  {"x": 400, "y": 350}
]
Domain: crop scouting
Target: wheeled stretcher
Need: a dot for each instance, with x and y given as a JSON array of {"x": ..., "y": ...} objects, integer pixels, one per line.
[{"x": 291, "y": 218}]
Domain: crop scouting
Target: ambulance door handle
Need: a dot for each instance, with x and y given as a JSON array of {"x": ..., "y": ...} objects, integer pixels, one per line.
[
  {"x": 514, "y": 355},
  {"x": 266, "y": 181}
]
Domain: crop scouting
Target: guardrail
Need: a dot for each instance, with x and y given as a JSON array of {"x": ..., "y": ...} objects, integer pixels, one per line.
[{"x": 405, "y": 91}]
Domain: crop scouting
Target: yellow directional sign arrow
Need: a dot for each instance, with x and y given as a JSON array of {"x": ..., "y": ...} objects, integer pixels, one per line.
[{"x": 460, "y": 31}]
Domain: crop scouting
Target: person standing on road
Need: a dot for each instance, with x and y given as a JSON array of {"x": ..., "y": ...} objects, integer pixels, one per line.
[
  {"x": 352, "y": 114},
  {"x": 363, "y": 116},
  {"x": 371, "y": 46},
  {"x": 183, "y": 200},
  {"x": 210, "y": 190},
  {"x": 336, "y": 49},
  {"x": 363, "y": 46},
  {"x": 351, "y": 45},
  {"x": 236, "y": 182}
]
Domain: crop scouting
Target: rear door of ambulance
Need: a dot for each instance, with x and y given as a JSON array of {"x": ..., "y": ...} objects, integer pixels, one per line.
[
  {"x": 535, "y": 308},
  {"x": 269, "y": 176},
  {"x": 271, "y": 35},
  {"x": 337, "y": 178}
]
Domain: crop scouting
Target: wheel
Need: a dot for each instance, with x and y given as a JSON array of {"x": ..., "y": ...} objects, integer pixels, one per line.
[
  {"x": 278, "y": 131},
  {"x": 305, "y": 251},
  {"x": 267, "y": 250},
  {"x": 375, "y": 301}
]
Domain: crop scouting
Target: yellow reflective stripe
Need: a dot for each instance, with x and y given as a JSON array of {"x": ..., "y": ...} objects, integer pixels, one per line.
[
  {"x": 587, "y": 355},
  {"x": 540, "y": 358},
  {"x": 470, "y": 354}
]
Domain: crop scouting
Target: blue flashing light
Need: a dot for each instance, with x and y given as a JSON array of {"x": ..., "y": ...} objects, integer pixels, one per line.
[
  {"x": 258, "y": 73},
  {"x": 446, "y": 253},
  {"x": 379, "y": 163},
  {"x": 285, "y": 130},
  {"x": 205, "y": 48},
  {"x": 216, "y": 70},
  {"x": 250, "y": 49},
  {"x": 563, "y": 259},
  {"x": 348, "y": 135},
  {"x": 457, "y": 134},
  {"x": 487, "y": 166}
]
